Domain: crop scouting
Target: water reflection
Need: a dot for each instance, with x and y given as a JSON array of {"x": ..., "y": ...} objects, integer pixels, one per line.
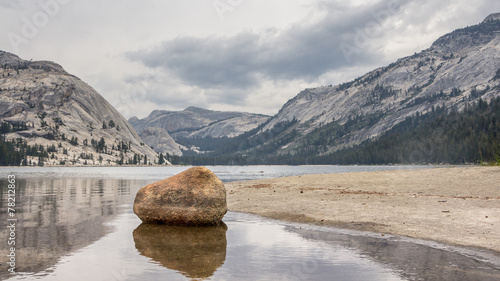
[
  {"x": 196, "y": 252},
  {"x": 415, "y": 261},
  {"x": 58, "y": 216}
]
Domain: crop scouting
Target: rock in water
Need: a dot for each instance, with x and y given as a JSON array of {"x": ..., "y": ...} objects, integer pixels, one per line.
[{"x": 194, "y": 197}]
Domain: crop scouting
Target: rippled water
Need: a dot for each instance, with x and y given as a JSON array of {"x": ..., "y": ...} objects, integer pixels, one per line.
[{"x": 78, "y": 224}]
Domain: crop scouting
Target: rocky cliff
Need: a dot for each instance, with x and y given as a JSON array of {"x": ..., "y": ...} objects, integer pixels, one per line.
[{"x": 45, "y": 105}]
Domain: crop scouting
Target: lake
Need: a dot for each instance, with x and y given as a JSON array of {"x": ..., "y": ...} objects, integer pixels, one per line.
[{"x": 78, "y": 224}]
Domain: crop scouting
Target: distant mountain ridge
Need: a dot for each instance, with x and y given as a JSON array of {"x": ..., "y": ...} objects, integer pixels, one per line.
[
  {"x": 197, "y": 123},
  {"x": 43, "y": 105}
]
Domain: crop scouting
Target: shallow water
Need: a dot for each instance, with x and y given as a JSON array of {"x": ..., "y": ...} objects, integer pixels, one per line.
[
  {"x": 78, "y": 224},
  {"x": 225, "y": 173}
]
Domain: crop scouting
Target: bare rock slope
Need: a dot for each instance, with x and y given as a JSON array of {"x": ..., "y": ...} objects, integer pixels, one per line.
[
  {"x": 459, "y": 68},
  {"x": 56, "y": 108},
  {"x": 161, "y": 141}
]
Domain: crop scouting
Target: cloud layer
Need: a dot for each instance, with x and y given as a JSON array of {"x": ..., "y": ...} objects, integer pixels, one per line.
[
  {"x": 306, "y": 50},
  {"x": 167, "y": 55}
]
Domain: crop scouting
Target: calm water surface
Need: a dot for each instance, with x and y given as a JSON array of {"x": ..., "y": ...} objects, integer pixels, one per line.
[{"x": 78, "y": 224}]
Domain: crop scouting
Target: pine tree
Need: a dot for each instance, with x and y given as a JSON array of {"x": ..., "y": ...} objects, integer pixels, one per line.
[{"x": 121, "y": 161}]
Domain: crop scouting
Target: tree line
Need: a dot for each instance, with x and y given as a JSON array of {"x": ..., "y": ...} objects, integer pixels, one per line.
[
  {"x": 17, "y": 152},
  {"x": 439, "y": 136}
]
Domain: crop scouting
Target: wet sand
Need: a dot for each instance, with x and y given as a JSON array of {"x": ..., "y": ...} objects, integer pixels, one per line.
[{"x": 458, "y": 206}]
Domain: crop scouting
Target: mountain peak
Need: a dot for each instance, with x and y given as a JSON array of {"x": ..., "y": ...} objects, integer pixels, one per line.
[
  {"x": 198, "y": 110},
  {"x": 13, "y": 61},
  {"x": 492, "y": 17},
  {"x": 6, "y": 57},
  {"x": 461, "y": 40}
]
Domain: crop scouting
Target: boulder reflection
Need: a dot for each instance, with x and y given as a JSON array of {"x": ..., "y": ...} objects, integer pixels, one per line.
[{"x": 196, "y": 252}]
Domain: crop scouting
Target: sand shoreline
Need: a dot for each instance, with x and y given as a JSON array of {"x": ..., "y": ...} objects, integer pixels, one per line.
[{"x": 457, "y": 206}]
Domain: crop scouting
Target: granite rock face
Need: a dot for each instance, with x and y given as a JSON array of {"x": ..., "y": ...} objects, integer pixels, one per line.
[
  {"x": 160, "y": 141},
  {"x": 194, "y": 197},
  {"x": 457, "y": 70},
  {"x": 57, "y": 107}
]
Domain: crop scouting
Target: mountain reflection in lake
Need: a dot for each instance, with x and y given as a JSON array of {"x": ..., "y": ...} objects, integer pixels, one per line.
[
  {"x": 58, "y": 216},
  {"x": 73, "y": 227}
]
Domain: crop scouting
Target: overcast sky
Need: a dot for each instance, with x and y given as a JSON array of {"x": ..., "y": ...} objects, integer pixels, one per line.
[{"x": 244, "y": 55}]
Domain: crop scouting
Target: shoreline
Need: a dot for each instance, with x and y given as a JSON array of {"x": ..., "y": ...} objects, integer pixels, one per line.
[{"x": 457, "y": 206}]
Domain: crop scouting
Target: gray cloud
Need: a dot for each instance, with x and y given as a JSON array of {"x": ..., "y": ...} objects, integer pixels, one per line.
[
  {"x": 304, "y": 51},
  {"x": 11, "y": 4}
]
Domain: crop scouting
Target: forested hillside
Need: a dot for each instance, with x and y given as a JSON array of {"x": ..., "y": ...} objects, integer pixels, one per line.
[{"x": 440, "y": 136}]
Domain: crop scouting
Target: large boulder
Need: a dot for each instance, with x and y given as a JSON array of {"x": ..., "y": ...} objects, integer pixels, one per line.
[{"x": 194, "y": 197}]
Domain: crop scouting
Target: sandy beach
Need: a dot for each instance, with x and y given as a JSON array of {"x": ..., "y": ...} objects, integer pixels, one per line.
[{"x": 458, "y": 206}]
